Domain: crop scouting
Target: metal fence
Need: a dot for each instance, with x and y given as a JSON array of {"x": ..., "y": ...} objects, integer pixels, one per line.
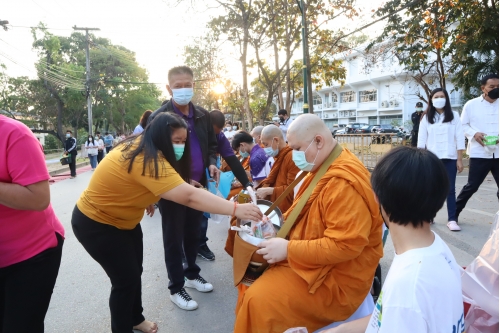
[{"x": 369, "y": 148}]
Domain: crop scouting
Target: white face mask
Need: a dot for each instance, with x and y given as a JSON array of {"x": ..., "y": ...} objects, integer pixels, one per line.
[
  {"x": 439, "y": 103},
  {"x": 234, "y": 128}
]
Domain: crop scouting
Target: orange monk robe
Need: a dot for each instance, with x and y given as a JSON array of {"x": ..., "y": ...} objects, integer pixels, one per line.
[
  {"x": 282, "y": 174},
  {"x": 333, "y": 252}
]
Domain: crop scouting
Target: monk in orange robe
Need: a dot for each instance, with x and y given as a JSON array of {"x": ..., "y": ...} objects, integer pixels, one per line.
[
  {"x": 283, "y": 172},
  {"x": 324, "y": 270},
  {"x": 256, "y": 134}
]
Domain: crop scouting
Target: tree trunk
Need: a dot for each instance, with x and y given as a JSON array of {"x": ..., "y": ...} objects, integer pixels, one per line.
[
  {"x": 276, "y": 59},
  {"x": 245, "y": 14}
]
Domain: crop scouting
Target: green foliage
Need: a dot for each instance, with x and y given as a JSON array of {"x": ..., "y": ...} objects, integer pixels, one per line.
[
  {"x": 436, "y": 39},
  {"x": 203, "y": 57},
  {"x": 474, "y": 43},
  {"x": 57, "y": 99},
  {"x": 52, "y": 143}
]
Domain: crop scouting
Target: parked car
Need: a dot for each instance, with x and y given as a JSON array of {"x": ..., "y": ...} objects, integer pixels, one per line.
[
  {"x": 336, "y": 128},
  {"x": 351, "y": 128},
  {"x": 368, "y": 129},
  {"x": 341, "y": 131},
  {"x": 388, "y": 129}
]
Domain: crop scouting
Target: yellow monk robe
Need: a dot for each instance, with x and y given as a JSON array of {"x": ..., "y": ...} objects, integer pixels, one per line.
[
  {"x": 333, "y": 252},
  {"x": 282, "y": 174}
]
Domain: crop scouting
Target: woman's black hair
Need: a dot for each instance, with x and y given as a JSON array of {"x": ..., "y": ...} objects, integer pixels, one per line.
[
  {"x": 411, "y": 185},
  {"x": 241, "y": 137},
  {"x": 88, "y": 140},
  {"x": 431, "y": 110},
  {"x": 156, "y": 139}
]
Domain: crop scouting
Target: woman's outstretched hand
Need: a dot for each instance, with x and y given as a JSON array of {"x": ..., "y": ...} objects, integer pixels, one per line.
[{"x": 248, "y": 212}]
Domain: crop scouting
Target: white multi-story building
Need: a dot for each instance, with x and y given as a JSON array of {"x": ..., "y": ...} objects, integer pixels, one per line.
[{"x": 384, "y": 94}]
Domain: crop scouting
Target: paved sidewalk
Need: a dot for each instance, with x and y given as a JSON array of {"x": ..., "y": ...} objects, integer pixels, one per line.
[{"x": 80, "y": 300}]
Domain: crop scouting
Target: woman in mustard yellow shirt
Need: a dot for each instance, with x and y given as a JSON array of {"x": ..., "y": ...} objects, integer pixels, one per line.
[{"x": 131, "y": 178}]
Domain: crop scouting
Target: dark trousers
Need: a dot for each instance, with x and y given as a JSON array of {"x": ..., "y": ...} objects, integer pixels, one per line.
[
  {"x": 414, "y": 138},
  {"x": 203, "y": 230},
  {"x": 451, "y": 201},
  {"x": 108, "y": 149},
  {"x": 181, "y": 230},
  {"x": 72, "y": 165},
  {"x": 100, "y": 155},
  {"x": 26, "y": 289},
  {"x": 119, "y": 252},
  {"x": 478, "y": 170}
]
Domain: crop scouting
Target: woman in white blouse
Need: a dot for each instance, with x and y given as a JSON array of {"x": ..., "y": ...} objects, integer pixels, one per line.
[{"x": 441, "y": 132}]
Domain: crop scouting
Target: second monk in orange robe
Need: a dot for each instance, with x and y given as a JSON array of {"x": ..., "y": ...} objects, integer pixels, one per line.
[
  {"x": 324, "y": 270},
  {"x": 283, "y": 172}
]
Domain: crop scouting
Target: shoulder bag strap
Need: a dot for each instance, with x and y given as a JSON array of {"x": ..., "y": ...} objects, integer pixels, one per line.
[
  {"x": 285, "y": 193},
  {"x": 290, "y": 222}
]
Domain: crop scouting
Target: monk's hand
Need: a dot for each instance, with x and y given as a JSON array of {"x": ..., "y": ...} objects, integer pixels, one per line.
[
  {"x": 150, "y": 210},
  {"x": 264, "y": 192},
  {"x": 274, "y": 250}
]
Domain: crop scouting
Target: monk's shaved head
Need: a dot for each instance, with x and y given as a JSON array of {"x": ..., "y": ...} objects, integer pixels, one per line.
[
  {"x": 306, "y": 126},
  {"x": 256, "y": 133},
  {"x": 271, "y": 131},
  {"x": 310, "y": 134}
]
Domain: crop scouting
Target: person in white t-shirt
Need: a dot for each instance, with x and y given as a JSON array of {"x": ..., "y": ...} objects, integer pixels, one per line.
[
  {"x": 423, "y": 291},
  {"x": 230, "y": 131},
  {"x": 100, "y": 147}
]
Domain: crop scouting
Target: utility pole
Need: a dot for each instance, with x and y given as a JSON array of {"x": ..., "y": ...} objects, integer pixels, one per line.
[
  {"x": 3, "y": 24},
  {"x": 304, "y": 54},
  {"x": 87, "y": 56}
]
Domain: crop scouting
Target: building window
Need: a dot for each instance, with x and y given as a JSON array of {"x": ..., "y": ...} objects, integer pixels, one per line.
[
  {"x": 334, "y": 98},
  {"x": 317, "y": 100},
  {"x": 347, "y": 97},
  {"x": 395, "y": 120},
  {"x": 368, "y": 96}
]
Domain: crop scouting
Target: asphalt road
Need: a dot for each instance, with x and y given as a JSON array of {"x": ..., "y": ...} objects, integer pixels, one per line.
[{"x": 80, "y": 300}]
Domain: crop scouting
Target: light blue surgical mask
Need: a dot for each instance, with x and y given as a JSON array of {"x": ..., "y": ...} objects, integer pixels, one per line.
[
  {"x": 244, "y": 154},
  {"x": 178, "y": 150},
  {"x": 299, "y": 158},
  {"x": 270, "y": 151},
  {"x": 182, "y": 96}
]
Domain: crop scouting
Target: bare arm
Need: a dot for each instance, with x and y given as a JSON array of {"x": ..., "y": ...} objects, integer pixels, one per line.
[
  {"x": 355, "y": 326},
  {"x": 31, "y": 197},
  {"x": 205, "y": 201}
]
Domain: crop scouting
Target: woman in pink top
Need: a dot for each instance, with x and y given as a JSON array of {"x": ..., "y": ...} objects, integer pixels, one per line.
[{"x": 31, "y": 236}]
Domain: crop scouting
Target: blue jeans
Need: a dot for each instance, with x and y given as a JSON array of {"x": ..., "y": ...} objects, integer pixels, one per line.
[
  {"x": 451, "y": 202},
  {"x": 93, "y": 161}
]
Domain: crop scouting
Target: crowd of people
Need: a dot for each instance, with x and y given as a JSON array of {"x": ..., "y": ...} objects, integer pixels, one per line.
[{"x": 335, "y": 216}]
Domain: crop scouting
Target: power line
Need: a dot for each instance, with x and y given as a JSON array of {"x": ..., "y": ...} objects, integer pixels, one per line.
[{"x": 26, "y": 27}]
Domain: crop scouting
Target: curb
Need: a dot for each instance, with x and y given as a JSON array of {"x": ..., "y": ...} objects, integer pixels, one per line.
[{"x": 66, "y": 168}]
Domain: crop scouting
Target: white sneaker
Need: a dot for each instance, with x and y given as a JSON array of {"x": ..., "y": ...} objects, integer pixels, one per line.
[
  {"x": 453, "y": 226},
  {"x": 199, "y": 284},
  {"x": 183, "y": 300}
]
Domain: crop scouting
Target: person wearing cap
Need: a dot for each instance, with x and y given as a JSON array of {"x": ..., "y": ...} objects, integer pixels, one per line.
[{"x": 415, "y": 119}]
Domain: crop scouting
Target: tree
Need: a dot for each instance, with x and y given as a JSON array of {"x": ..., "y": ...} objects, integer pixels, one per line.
[
  {"x": 203, "y": 58},
  {"x": 474, "y": 44},
  {"x": 417, "y": 37},
  {"x": 236, "y": 25}
]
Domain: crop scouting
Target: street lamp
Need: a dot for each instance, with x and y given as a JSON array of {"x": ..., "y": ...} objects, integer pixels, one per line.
[{"x": 304, "y": 53}]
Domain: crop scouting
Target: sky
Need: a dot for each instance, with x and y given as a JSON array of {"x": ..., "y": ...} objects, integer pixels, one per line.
[{"x": 157, "y": 30}]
